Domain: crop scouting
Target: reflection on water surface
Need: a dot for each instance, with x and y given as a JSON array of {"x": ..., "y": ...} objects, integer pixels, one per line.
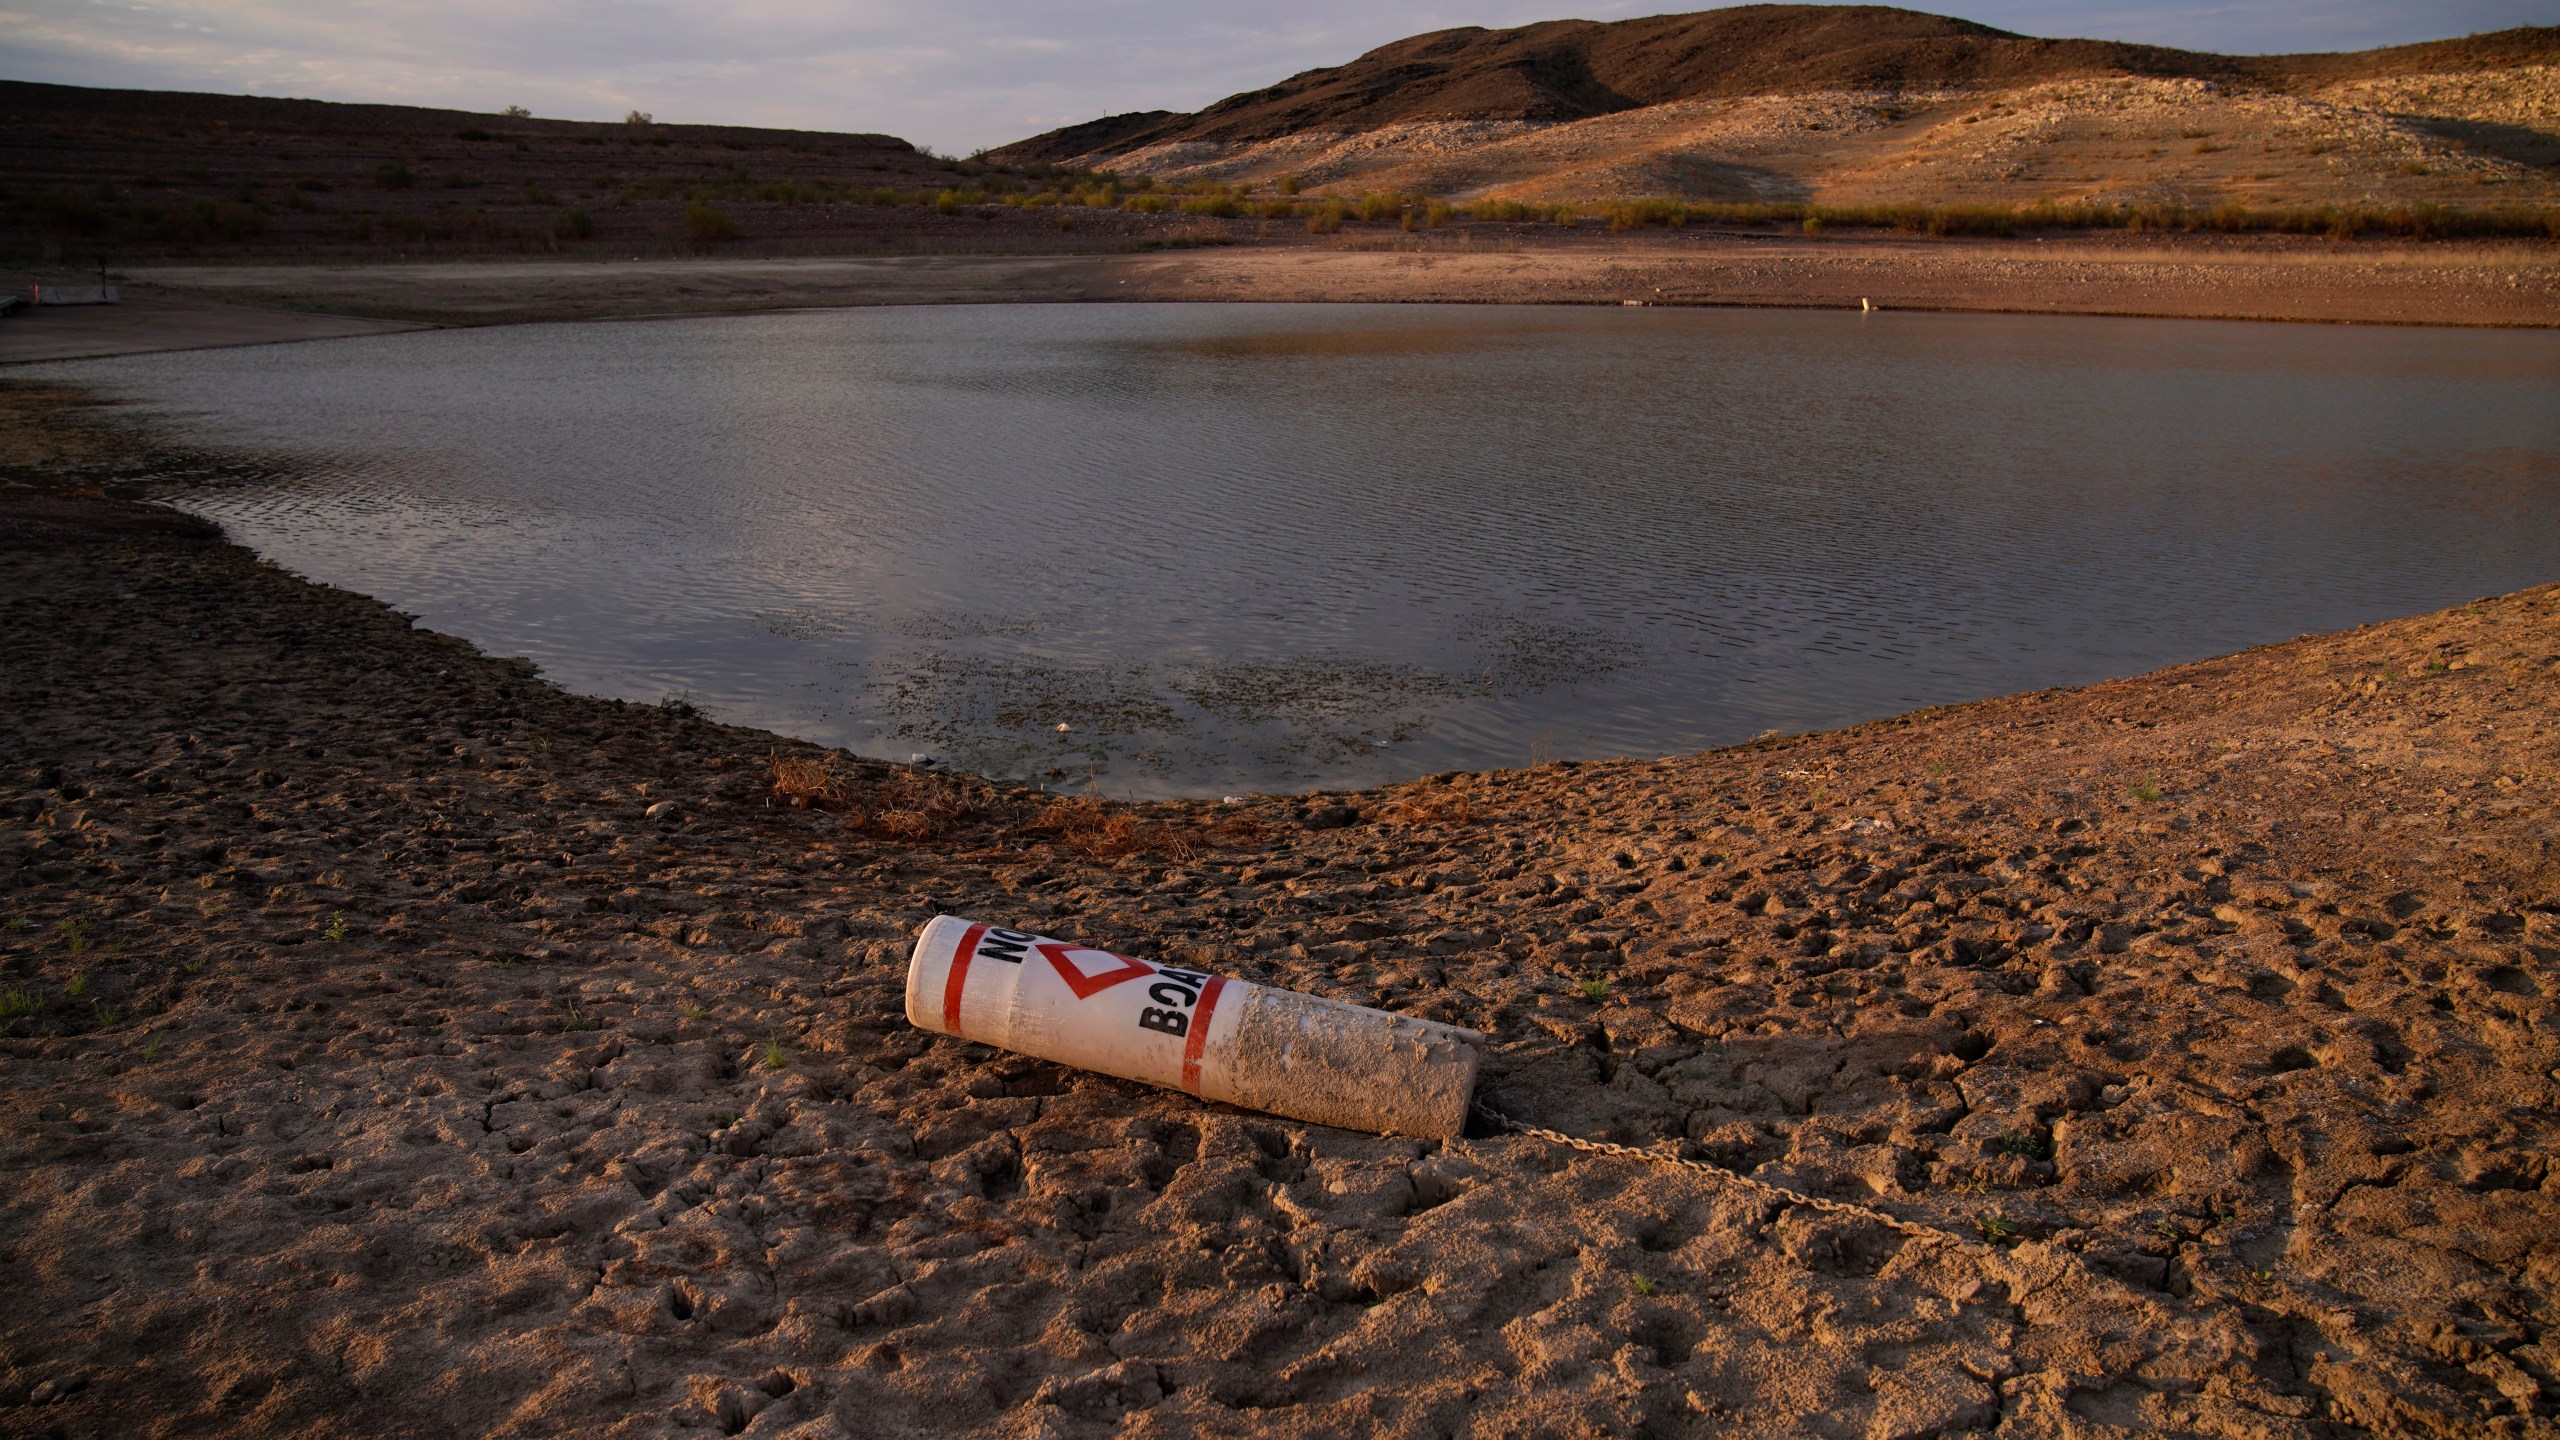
[{"x": 1232, "y": 547}]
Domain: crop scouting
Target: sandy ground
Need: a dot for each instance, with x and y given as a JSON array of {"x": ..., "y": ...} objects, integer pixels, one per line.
[
  {"x": 151, "y": 320},
  {"x": 2266, "y": 278},
  {"x": 379, "y": 1063}
]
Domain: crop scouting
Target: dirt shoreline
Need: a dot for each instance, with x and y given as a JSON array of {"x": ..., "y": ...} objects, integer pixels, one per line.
[
  {"x": 148, "y": 321},
  {"x": 384, "y": 1060},
  {"x": 2184, "y": 276}
]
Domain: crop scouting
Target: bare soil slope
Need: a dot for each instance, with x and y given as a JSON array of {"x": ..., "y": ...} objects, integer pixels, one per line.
[
  {"x": 92, "y": 175},
  {"x": 1860, "y": 104},
  {"x": 379, "y": 1065}
]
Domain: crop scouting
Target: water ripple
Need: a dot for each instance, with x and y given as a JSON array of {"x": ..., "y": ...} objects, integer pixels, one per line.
[{"x": 1281, "y": 546}]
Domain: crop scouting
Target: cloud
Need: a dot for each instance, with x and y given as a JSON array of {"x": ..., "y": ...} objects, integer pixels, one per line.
[
  {"x": 2253, "y": 27},
  {"x": 955, "y": 75}
]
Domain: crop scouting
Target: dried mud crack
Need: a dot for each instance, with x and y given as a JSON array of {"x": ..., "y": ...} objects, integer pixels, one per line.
[{"x": 378, "y": 1065}]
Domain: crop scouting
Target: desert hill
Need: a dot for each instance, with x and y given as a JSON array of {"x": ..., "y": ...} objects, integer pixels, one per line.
[
  {"x": 125, "y": 175},
  {"x": 1853, "y": 104}
]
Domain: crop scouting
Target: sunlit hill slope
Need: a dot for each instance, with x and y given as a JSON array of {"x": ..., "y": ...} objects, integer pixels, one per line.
[{"x": 1857, "y": 105}]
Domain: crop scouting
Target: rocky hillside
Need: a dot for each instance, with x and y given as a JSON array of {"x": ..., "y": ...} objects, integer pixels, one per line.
[{"x": 1863, "y": 104}]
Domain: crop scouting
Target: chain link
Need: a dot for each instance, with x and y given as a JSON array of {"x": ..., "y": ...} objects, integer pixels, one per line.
[{"x": 1926, "y": 1234}]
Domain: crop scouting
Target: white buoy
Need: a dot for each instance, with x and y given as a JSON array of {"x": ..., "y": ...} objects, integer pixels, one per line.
[
  {"x": 1863, "y": 306},
  {"x": 1209, "y": 1036}
]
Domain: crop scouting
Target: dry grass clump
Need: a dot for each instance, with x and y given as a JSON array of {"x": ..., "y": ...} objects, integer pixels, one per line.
[
  {"x": 1238, "y": 830},
  {"x": 917, "y": 808},
  {"x": 800, "y": 782},
  {"x": 1433, "y": 807},
  {"x": 913, "y": 807},
  {"x": 1107, "y": 832},
  {"x": 904, "y": 806},
  {"x": 906, "y": 823}
]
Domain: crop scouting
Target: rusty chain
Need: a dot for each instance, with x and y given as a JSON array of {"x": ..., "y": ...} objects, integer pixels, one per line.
[
  {"x": 2070, "y": 1263},
  {"x": 1927, "y": 1234}
]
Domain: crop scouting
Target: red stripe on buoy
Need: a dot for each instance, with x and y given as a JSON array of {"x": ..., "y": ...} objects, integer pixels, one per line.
[
  {"x": 1199, "y": 1041},
  {"x": 959, "y": 978}
]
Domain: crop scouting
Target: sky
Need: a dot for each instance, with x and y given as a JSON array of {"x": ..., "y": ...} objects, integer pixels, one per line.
[{"x": 951, "y": 75}]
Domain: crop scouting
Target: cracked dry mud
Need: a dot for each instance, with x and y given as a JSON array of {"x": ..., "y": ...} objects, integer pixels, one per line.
[{"x": 376, "y": 1066}]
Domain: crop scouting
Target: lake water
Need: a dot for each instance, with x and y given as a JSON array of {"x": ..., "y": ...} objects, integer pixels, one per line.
[{"x": 1266, "y": 547}]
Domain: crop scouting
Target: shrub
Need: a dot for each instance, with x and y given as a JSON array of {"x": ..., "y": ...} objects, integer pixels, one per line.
[
  {"x": 639, "y": 117},
  {"x": 1381, "y": 205},
  {"x": 70, "y": 211},
  {"x": 575, "y": 225},
  {"x": 238, "y": 222},
  {"x": 1635, "y": 214},
  {"x": 708, "y": 224},
  {"x": 394, "y": 176},
  {"x": 417, "y": 227},
  {"x": 1326, "y": 219},
  {"x": 517, "y": 112},
  {"x": 1290, "y": 184},
  {"x": 2419, "y": 221},
  {"x": 203, "y": 220},
  {"x": 1219, "y": 206}
]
